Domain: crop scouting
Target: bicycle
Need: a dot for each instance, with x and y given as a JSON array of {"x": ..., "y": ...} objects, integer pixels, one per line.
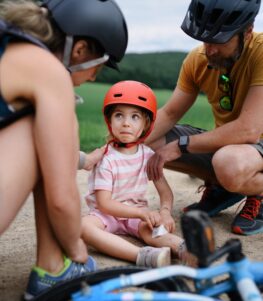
[{"x": 240, "y": 279}]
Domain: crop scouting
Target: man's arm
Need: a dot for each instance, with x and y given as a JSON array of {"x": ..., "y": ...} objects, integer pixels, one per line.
[
  {"x": 167, "y": 116},
  {"x": 246, "y": 129}
]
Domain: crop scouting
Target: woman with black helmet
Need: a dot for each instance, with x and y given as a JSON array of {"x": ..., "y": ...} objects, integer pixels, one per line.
[
  {"x": 38, "y": 128},
  {"x": 228, "y": 69}
]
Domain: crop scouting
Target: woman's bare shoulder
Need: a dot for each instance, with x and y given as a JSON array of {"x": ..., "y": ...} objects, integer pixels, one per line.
[{"x": 25, "y": 67}]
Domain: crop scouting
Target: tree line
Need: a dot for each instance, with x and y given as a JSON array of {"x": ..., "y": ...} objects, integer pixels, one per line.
[{"x": 159, "y": 70}]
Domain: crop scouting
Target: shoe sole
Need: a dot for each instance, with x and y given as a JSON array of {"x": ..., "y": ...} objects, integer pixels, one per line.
[
  {"x": 219, "y": 208},
  {"x": 164, "y": 257},
  {"x": 238, "y": 230},
  {"x": 27, "y": 297}
]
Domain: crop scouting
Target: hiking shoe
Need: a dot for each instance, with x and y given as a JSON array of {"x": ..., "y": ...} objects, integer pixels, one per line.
[
  {"x": 250, "y": 219},
  {"x": 214, "y": 199},
  {"x": 153, "y": 257},
  {"x": 40, "y": 280}
]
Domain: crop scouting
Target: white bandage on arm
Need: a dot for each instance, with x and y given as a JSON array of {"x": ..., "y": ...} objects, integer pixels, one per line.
[{"x": 82, "y": 160}]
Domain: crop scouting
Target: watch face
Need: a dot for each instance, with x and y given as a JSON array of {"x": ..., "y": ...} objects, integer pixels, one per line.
[
  {"x": 183, "y": 143},
  {"x": 184, "y": 140}
]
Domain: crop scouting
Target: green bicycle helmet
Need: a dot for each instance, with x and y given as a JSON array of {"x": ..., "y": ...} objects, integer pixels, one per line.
[{"x": 217, "y": 21}]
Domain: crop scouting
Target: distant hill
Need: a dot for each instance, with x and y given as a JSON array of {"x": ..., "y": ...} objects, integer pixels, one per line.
[{"x": 158, "y": 70}]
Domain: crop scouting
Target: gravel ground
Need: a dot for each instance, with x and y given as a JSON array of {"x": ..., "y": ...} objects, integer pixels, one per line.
[{"x": 17, "y": 244}]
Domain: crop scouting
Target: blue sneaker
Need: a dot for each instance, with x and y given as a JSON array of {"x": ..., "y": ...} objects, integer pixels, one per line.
[
  {"x": 40, "y": 280},
  {"x": 214, "y": 199}
]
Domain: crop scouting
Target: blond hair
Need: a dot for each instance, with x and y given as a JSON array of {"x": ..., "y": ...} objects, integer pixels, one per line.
[{"x": 32, "y": 19}]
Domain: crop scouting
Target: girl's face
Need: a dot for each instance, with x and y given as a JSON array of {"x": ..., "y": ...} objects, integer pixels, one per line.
[{"x": 127, "y": 123}]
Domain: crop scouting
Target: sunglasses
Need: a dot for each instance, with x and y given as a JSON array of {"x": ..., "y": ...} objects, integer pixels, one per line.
[{"x": 224, "y": 85}]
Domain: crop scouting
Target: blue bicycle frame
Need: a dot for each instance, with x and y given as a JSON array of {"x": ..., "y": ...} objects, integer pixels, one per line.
[
  {"x": 243, "y": 276},
  {"x": 237, "y": 277}
]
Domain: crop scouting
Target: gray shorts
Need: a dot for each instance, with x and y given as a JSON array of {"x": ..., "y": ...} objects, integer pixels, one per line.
[{"x": 199, "y": 160}]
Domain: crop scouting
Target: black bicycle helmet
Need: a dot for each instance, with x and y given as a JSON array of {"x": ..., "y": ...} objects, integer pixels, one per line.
[
  {"x": 217, "y": 21},
  {"x": 101, "y": 20}
]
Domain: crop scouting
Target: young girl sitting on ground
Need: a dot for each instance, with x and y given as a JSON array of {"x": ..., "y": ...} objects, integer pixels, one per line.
[{"x": 117, "y": 185}]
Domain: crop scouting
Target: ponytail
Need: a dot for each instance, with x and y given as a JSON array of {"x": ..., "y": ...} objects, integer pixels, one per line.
[{"x": 34, "y": 20}]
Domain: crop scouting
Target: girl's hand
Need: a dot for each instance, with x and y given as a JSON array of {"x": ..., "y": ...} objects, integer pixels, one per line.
[
  {"x": 167, "y": 220},
  {"x": 152, "y": 218}
]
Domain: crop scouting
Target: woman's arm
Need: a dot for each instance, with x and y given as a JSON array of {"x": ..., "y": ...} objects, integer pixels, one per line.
[
  {"x": 88, "y": 161},
  {"x": 42, "y": 80}
]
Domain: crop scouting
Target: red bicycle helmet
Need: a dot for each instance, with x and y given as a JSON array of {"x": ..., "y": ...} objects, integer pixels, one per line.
[{"x": 132, "y": 93}]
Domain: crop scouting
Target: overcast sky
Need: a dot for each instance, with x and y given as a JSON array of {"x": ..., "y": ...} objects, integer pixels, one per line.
[{"x": 154, "y": 25}]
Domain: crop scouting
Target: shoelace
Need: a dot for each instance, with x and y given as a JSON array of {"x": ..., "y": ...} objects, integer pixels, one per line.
[
  {"x": 251, "y": 207},
  {"x": 78, "y": 270}
]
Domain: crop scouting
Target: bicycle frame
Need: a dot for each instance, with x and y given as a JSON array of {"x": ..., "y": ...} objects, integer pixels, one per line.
[
  {"x": 242, "y": 275},
  {"x": 237, "y": 277}
]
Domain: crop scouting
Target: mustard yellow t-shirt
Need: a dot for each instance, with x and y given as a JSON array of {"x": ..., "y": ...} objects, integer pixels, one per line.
[{"x": 247, "y": 71}]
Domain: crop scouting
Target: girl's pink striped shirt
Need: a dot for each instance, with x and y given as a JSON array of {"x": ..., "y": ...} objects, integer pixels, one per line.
[{"x": 122, "y": 174}]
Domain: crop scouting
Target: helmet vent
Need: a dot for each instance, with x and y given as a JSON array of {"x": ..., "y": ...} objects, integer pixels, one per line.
[
  {"x": 142, "y": 98},
  {"x": 118, "y": 95},
  {"x": 216, "y": 14},
  {"x": 249, "y": 17},
  {"x": 233, "y": 17},
  {"x": 199, "y": 11}
]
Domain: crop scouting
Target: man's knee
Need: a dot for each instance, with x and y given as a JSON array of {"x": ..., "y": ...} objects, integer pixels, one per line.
[{"x": 229, "y": 167}]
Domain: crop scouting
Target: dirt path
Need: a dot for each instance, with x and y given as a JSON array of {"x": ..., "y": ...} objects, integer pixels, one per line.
[{"x": 17, "y": 245}]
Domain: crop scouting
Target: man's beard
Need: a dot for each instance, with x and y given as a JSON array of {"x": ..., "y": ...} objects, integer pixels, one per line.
[{"x": 219, "y": 62}]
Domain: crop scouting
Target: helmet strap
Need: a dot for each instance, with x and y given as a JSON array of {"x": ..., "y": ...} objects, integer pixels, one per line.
[
  {"x": 67, "y": 51},
  {"x": 116, "y": 143},
  {"x": 83, "y": 66},
  {"x": 89, "y": 64}
]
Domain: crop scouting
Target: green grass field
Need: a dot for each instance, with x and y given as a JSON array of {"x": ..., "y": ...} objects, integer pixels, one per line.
[{"x": 93, "y": 130}]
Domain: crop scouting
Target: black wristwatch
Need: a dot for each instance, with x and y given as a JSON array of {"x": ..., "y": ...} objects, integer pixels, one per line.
[{"x": 183, "y": 143}]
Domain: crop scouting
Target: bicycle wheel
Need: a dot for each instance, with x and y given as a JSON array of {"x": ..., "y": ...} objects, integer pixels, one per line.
[{"x": 63, "y": 291}]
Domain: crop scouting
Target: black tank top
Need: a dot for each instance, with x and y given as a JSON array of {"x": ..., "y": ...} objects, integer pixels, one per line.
[{"x": 9, "y": 33}]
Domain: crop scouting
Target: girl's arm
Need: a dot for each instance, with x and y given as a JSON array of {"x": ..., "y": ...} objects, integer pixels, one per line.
[
  {"x": 166, "y": 203},
  {"x": 111, "y": 207}
]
